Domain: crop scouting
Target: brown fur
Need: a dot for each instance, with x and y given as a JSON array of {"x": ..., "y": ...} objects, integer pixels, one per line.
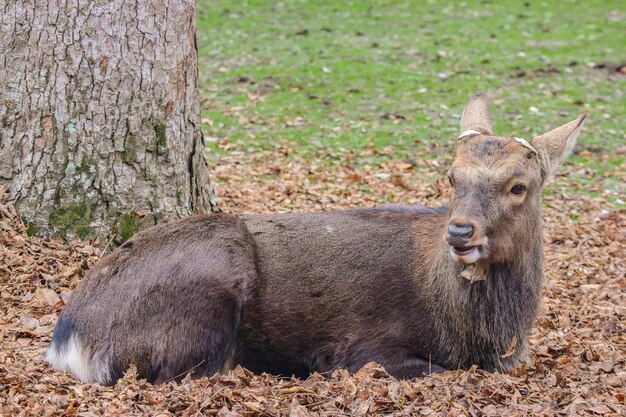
[
  {"x": 303, "y": 292},
  {"x": 477, "y": 115}
]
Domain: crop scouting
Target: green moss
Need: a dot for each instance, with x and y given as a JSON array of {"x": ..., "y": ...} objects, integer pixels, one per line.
[
  {"x": 72, "y": 220},
  {"x": 158, "y": 216},
  {"x": 83, "y": 231},
  {"x": 86, "y": 165},
  {"x": 161, "y": 139},
  {"x": 31, "y": 229},
  {"x": 130, "y": 149},
  {"x": 128, "y": 225}
]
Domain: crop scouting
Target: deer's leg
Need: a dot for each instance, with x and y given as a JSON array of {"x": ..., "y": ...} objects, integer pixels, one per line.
[
  {"x": 202, "y": 339},
  {"x": 413, "y": 368}
]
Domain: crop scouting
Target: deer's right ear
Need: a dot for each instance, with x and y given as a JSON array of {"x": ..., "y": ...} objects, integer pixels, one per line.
[
  {"x": 557, "y": 144},
  {"x": 477, "y": 115}
]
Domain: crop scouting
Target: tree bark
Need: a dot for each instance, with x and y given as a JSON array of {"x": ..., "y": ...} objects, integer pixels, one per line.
[{"x": 100, "y": 115}]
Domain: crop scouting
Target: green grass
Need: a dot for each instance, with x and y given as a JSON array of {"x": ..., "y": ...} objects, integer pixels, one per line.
[{"x": 320, "y": 76}]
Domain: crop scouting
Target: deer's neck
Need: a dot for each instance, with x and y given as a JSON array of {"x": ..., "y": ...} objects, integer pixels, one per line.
[{"x": 478, "y": 321}]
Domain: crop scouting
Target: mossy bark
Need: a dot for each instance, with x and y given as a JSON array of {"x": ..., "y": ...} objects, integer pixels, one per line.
[{"x": 100, "y": 115}]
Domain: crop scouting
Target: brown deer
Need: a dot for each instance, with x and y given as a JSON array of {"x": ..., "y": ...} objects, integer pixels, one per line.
[{"x": 412, "y": 288}]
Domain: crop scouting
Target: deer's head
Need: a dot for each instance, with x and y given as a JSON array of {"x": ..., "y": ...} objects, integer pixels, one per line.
[{"x": 496, "y": 183}]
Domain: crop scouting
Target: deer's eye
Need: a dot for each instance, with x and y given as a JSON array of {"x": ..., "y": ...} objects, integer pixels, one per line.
[
  {"x": 518, "y": 189},
  {"x": 451, "y": 180}
]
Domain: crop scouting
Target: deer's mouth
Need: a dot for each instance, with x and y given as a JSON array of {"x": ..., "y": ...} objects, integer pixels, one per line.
[
  {"x": 464, "y": 250},
  {"x": 466, "y": 254}
]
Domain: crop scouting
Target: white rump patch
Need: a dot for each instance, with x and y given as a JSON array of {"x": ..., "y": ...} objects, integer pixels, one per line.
[
  {"x": 329, "y": 228},
  {"x": 75, "y": 358}
]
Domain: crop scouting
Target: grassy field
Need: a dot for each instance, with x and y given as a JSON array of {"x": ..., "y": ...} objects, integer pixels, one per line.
[{"x": 322, "y": 78}]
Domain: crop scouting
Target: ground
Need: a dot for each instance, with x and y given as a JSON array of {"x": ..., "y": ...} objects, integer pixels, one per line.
[
  {"x": 576, "y": 365},
  {"x": 326, "y": 105}
]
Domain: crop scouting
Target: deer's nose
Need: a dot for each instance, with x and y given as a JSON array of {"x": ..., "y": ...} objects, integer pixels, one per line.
[{"x": 459, "y": 234}]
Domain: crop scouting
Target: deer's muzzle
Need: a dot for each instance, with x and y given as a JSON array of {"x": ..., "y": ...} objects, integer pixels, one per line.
[
  {"x": 466, "y": 245},
  {"x": 459, "y": 235}
]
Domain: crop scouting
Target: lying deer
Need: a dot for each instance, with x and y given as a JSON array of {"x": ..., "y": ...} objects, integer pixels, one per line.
[{"x": 415, "y": 289}]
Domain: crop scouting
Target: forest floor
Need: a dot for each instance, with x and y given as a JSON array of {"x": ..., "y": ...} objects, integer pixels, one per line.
[{"x": 577, "y": 363}]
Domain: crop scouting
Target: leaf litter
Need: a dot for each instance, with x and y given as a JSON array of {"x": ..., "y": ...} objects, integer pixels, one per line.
[{"x": 577, "y": 355}]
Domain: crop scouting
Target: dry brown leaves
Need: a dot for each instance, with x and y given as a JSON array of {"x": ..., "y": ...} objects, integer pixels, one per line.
[{"x": 577, "y": 363}]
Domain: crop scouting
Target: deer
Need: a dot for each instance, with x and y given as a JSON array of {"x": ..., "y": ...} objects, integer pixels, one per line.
[{"x": 418, "y": 290}]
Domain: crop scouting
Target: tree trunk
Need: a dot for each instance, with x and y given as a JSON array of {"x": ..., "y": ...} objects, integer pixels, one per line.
[{"x": 100, "y": 115}]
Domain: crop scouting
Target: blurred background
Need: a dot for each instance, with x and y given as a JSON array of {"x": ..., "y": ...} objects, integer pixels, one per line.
[{"x": 320, "y": 79}]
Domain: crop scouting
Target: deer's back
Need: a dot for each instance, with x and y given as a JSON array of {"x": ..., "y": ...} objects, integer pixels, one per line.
[{"x": 333, "y": 288}]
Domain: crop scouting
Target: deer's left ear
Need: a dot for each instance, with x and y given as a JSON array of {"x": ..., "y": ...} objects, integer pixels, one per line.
[
  {"x": 477, "y": 115},
  {"x": 558, "y": 143}
]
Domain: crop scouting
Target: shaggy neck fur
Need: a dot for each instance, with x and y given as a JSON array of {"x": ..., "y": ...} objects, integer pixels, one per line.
[{"x": 477, "y": 322}]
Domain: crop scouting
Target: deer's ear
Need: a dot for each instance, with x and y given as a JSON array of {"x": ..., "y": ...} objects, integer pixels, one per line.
[
  {"x": 477, "y": 115},
  {"x": 557, "y": 144}
]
